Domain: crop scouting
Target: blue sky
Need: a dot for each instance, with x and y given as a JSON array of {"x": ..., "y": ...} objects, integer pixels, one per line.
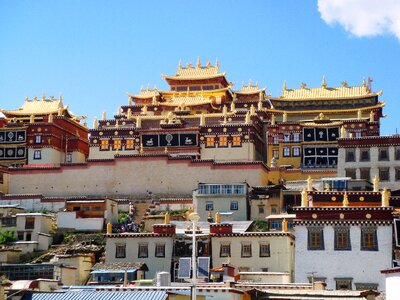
[{"x": 92, "y": 52}]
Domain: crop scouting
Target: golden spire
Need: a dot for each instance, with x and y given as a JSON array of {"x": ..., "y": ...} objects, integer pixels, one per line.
[
  {"x": 233, "y": 106},
  {"x": 95, "y": 123},
  {"x": 323, "y": 82},
  {"x": 180, "y": 64},
  {"x": 259, "y": 105},
  {"x": 364, "y": 83},
  {"x": 343, "y": 132},
  {"x": 284, "y": 225},
  {"x": 371, "y": 116},
  {"x": 208, "y": 64},
  {"x": 284, "y": 117},
  {"x": 130, "y": 101},
  {"x": 198, "y": 65},
  {"x": 217, "y": 217},
  {"x": 50, "y": 120},
  {"x": 359, "y": 114},
  {"x": 309, "y": 184},
  {"x": 104, "y": 115},
  {"x": 202, "y": 120},
  {"x": 304, "y": 198},
  {"x": 247, "y": 118},
  {"x": 252, "y": 110},
  {"x": 345, "y": 200},
  {"x": 167, "y": 218},
  {"x": 273, "y": 120},
  {"x": 144, "y": 109},
  {"x": 284, "y": 86},
  {"x": 385, "y": 197},
  {"x": 375, "y": 182},
  {"x": 138, "y": 122},
  {"x": 217, "y": 64},
  {"x": 129, "y": 113},
  {"x": 43, "y": 96}
]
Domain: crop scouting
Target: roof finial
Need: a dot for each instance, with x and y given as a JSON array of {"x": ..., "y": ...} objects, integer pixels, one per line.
[
  {"x": 323, "y": 82},
  {"x": 208, "y": 64},
  {"x": 43, "y": 96},
  {"x": 148, "y": 86},
  {"x": 180, "y": 64},
  {"x": 217, "y": 63},
  {"x": 26, "y": 98},
  {"x": 198, "y": 62},
  {"x": 345, "y": 200},
  {"x": 364, "y": 83},
  {"x": 284, "y": 86},
  {"x": 249, "y": 82}
]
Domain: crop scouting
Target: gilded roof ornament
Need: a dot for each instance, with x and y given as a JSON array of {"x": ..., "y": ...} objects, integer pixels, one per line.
[
  {"x": 50, "y": 120},
  {"x": 375, "y": 182},
  {"x": 364, "y": 83},
  {"x": 43, "y": 96},
  {"x": 217, "y": 64},
  {"x": 284, "y": 86},
  {"x": 385, "y": 197},
  {"x": 139, "y": 123},
  {"x": 371, "y": 116},
  {"x": 95, "y": 123},
  {"x": 233, "y": 106},
  {"x": 345, "y": 200},
  {"x": 344, "y": 83},
  {"x": 252, "y": 110},
  {"x": 303, "y": 85},
  {"x": 180, "y": 64},
  {"x": 359, "y": 114},
  {"x": 247, "y": 118},
  {"x": 104, "y": 115},
  {"x": 304, "y": 198},
  {"x": 208, "y": 64},
  {"x": 198, "y": 65},
  {"x": 202, "y": 120},
  {"x": 323, "y": 84},
  {"x": 26, "y": 98}
]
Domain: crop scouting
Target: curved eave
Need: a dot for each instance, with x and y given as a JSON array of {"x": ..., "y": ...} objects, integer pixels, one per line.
[
  {"x": 178, "y": 77},
  {"x": 326, "y": 98},
  {"x": 249, "y": 92},
  {"x": 16, "y": 113},
  {"x": 273, "y": 110},
  {"x": 142, "y": 96},
  {"x": 186, "y": 104},
  {"x": 205, "y": 92}
]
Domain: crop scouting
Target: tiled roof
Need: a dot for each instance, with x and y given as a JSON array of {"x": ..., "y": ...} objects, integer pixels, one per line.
[
  {"x": 37, "y": 107},
  {"x": 197, "y": 72},
  {"x": 119, "y": 266},
  {"x": 145, "y": 94},
  {"x": 99, "y": 295},
  {"x": 327, "y": 92},
  {"x": 189, "y": 101},
  {"x": 250, "y": 89}
]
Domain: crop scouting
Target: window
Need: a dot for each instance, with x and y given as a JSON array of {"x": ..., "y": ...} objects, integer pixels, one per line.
[
  {"x": 68, "y": 158},
  {"x": 29, "y": 222},
  {"x": 383, "y": 154},
  {"x": 342, "y": 238},
  {"x": 274, "y": 209},
  {"x": 28, "y": 236},
  {"x": 365, "y": 173},
  {"x": 227, "y": 189},
  {"x": 236, "y": 141},
  {"x": 97, "y": 208},
  {"x": 38, "y": 139},
  {"x": 397, "y": 153},
  {"x": 286, "y": 137},
  {"x": 209, "y": 205},
  {"x": 234, "y": 205},
  {"x": 264, "y": 250},
  {"x": 143, "y": 251},
  {"x": 369, "y": 239},
  {"x": 384, "y": 174},
  {"x": 275, "y": 140},
  {"x": 120, "y": 251},
  {"x": 246, "y": 250},
  {"x": 357, "y": 134},
  {"x": 275, "y": 153},
  {"x": 215, "y": 189},
  {"x": 37, "y": 154},
  {"x": 160, "y": 250},
  {"x": 361, "y": 286},
  {"x": 315, "y": 238},
  {"x": 20, "y": 236},
  {"x": 350, "y": 155},
  {"x": 343, "y": 283},
  {"x": 286, "y": 151},
  {"x": 364, "y": 155},
  {"x": 225, "y": 250},
  {"x": 261, "y": 210},
  {"x": 397, "y": 174},
  {"x": 86, "y": 208},
  {"x": 296, "y": 137},
  {"x": 223, "y": 141},
  {"x": 238, "y": 189},
  {"x": 296, "y": 151},
  {"x": 351, "y": 173},
  {"x": 210, "y": 141},
  {"x": 130, "y": 144},
  {"x": 104, "y": 145},
  {"x": 117, "y": 144},
  {"x": 276, "y": 224}
]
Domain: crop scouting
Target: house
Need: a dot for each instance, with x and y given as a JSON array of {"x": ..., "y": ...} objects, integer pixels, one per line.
[
  {"x": 87, "y": 214},
  {"x": 117, "y": 273},
  {"x": 8, "y": 216}
]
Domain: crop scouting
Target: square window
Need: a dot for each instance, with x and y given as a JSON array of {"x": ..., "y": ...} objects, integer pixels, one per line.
[
  {"x": 397, "y": 153},
  {"x": 117, "y": 144},
  {"x": 265, "y": 250},
  {"x": 343, "y": 283},
  {"x": 38, "y": 139},
  {"x": 274, "y": 209},
  {"x": 104, "y": 145},
  {"x": 37, "y": 154},
  {"x": 296, "y": 151},
  {"x": 369, "y": 239},
  {"x": 160, "y": 250},
  {"x": 315, "y": 238},
  {"x": 29, "y": 223},
  {"x": 383, "y": 154},
  {"x": 365, "y": 173},
  {"x": 350, "y": 155},
  {"x": 130, "y": 144},
  {"x": 236, "y": 141},
  {"x": 351, "y": 173},
  {"x": 234, "y": 205},
  {"x": 286, "y": 151},
  {"x": 210, "y": 141},
  {"x": 120, "y": 251},
  {"x": 384, "y": 174},
  {"x": 261, "y": 210},
  {"x": 225, "y": 250},
  {"x": 364, "y": 155},
  {"x": 223, "y": 141},
  {"x": 296, "y": 137},
  {"x": 342, "y": 238},
  {"x": 209, "y": 205},
  {"x": 143, "y": 251},
  {"x": 246, "y": 250}
]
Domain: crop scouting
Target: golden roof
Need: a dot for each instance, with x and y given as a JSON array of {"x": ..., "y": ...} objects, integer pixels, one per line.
[
  {"x": 196, "y": 72},
  {"x": 250, "y": 89},
  {"x": 145, "y": 93},
  {"x": 186, "y": 101},
  {"x": 37, "y": 107},
  {"x": 327, "y": 92}
]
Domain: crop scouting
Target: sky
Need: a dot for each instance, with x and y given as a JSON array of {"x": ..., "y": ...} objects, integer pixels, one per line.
[{"x": 93, "y": 52}]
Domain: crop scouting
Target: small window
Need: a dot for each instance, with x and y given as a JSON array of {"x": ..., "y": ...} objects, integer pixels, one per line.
[
  {"x": 28, "y": 236},
  {"x": 365, "y": 173},
  {"x": 265, "y": 250},
  {"x": 225, "y": 250},
  {"x": 364, "y": 155},
  {"x": 160, "y": 250},
  {"x": 29, "y": 223},
  {"x": 117, "y": 144},
  {"x": 236, "y": 141},
  {"x": 37, "y": 154},
  {"x": 275, "y": 153},
  {"x": 286, "y": 137},
  {"x": 342, "y": 238},
  {"x": 276, "y": 224},
  {"x": 76, "y": 208},
  {"x": 296, "y": 137},
  {"x": 223, "y": 141},
  {"x": 274, "y": 209},
  {"x": 234, "y": 205},
  {"x": 369, "y": 239},
  {"x": 343, "y": 283},
  {"x": 366, "y": 286},
  {"x": 120, "y": 251},
  {"x": 397, "y": 174},
  {"x": 246, "y": 250},
  {"x": 351, "y": 173},
  {"x": 68, "y": 158},
  {"x": 296, "y": 151},
  {"x": 261, "y": 210},
  {"x": 130, "y": 144},
  {"x": 286, "y": 151},
  {"x": 383, "y": 154},
  {"x": 210, "y": 141},
  {"x": 104, "y": 145},
  {"x": 350, "y": 155},
  {"x": 397, "y": 153},
  {"x": 275, "y": 140},
  {"x": 209, "y": 205},
  {"x": 315, "y": 238},
  {"x": 143, "y": 251},
  {"x": 20, "y": 236},
  {"x": 86, "y": 208},
  {"x": 384, "y": 174},
  {"x": 38, "y": 139}
]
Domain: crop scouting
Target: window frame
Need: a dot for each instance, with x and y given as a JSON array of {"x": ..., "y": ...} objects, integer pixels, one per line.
[
  {"x": 286, "y": 151},
  {"x": 120, "y": 250},
  {"x": 38, "y": 139},
  {"x": 350, "y": 155},
  {"x": 383, "y": 171},
  {"x": 104, "y": 145},
  {"x": 145, "y": 253},
  {"x": 234, "y": 205},
  {"x": 130, "y": 144},
  {"x": 342, "y": 239},
  {"x": 117, "y": 144},
  {"x": 296, "y": 149},
  {"x": 210, "y": 142},
  {"x": 37, "y": 154},
  {"x": 209, "y": 205},
  {"x": 367, "y": 157},
  {"x": 222, "y": 250},
  {"x": 382, "y": 157},
  {"x": 315, "y": 238},
  {"x": 246, "y": 250},
  {"x": 236, "y": 141},
  {"x": 159, "y": 250},
  {"x": 222, "y": 141},
  {"x": 369, "y": 238},
  {"x": 265, "y": 250}
]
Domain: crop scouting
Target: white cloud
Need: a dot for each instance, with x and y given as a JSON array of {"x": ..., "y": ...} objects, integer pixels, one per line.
[{"x": 363, "y": 17}]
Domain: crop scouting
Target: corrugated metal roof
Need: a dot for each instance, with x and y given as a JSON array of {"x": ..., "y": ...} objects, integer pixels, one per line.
[{"x": 100, "y": 295}]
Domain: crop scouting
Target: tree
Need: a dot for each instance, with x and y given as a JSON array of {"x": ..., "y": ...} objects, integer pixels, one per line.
[{"x": 7, "y": 236}]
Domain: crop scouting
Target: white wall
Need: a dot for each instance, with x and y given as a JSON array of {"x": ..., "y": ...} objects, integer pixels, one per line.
[
  {"x": 68, "y": 220},
  {"x": 362, "y": 266},
  {"x": 35, "y": 204},
  {"x": 392, "y": 286}
]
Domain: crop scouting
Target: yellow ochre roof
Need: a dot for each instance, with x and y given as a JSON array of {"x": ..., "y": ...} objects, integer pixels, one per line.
[
  {"x": 186, "y": 101},
  {"x": 145, "y": 94},
  {"x": 35, "y": 107},
  {"x": 196, "y": 72},
  {"x": 250, "y": 89},
  {"x": 327, "y": 92}
]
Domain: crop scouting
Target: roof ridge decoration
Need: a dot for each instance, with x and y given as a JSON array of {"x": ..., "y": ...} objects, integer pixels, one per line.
[{"x": 197, "y": 71}]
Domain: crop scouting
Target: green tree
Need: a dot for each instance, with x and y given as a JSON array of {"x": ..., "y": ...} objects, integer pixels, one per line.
[{"x": 7, "y": 236}]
